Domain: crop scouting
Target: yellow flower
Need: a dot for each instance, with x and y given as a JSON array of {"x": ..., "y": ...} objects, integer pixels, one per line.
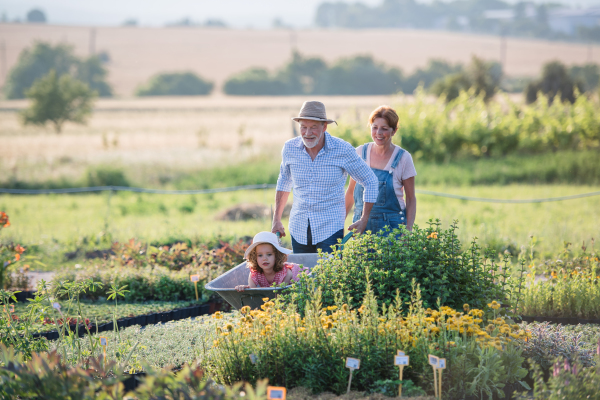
[
  {"x": 265, "y": 299},
  {"x": 244, "y": 310},
  {"x": 218, "y": 315},
  {"x": 432, "y": 235},
  {"x": 229, "y": 327},
  {"x": 466, "y": 307}
]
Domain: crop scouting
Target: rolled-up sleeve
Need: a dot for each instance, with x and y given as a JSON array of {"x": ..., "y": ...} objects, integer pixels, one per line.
[
  {"x": 284, "y": 180},
  {"x": 361, "y": 173}
]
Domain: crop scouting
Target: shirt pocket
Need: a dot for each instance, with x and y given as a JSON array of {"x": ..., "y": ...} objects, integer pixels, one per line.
[{"x": 301, "y": 175}]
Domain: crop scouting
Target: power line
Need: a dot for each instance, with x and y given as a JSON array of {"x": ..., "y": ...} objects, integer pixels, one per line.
[{"x": 272, "y": 186}]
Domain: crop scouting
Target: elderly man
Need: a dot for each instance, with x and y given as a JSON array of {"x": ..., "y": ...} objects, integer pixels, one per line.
[{"x": 316, "y": 166}]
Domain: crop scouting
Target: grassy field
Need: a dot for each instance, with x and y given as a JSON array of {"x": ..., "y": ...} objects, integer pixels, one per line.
[
  {"x": 54, "y": 224},
  {"x": 137, "y": 53}
]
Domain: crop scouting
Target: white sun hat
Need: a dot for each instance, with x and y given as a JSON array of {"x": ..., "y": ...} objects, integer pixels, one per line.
[{"x": 266, "y": 237}]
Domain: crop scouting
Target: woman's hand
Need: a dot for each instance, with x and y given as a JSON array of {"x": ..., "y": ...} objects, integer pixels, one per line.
[
  {"x": 241, "y": 288},
  {"x": 359, "y": 226}
]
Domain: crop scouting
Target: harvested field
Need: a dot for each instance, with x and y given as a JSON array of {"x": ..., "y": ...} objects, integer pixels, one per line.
[{"x": 138, "y": 53}]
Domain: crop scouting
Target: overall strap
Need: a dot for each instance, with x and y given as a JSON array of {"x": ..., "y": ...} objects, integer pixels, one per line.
[
  {"x": 396, "y": 160},
  {"x": 364, "y": 151}
]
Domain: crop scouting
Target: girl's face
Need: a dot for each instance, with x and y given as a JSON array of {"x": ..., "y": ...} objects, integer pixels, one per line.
[
  {"x": 381, "y": 132},
  {"x": 265, "y": 256}
]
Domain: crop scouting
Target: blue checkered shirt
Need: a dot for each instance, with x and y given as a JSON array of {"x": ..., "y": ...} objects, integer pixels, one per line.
[{"x": 319, "y": 186}]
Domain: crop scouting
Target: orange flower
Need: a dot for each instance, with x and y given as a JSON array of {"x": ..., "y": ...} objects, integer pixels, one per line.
[
  {"x": 17, "y": 257},
  {"x": 432, "y": 235},
  {"x": 19, "y": 249},
  {"x": 4, "y": 222}
]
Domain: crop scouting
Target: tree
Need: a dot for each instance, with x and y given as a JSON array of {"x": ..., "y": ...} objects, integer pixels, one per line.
[
  {"x": 555, "y": 81},
  {"x": 482, "y": 76},
  {"x": 176, "y": 84},
  {"x": 36, "y": 16},
  {"x": 57, "y": 100},
  {"x": 37, "y": 62}
]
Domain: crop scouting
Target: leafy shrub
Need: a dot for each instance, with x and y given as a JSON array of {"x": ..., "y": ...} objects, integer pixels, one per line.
[
  {"x": 549, "y": 341},
  {"x": 47, "y": 376},
  {"x": 435, "y": 70},
  {"x": 431, "y": 257},
  {"x": 255, "y": 82},
  {"x": 309, "y": 351},
  {"x": 176, "y": 84},
  {"x": 38, "y": 61},
  {"x": 555, "y": 81},
  {"x": 106, "y": 176}
]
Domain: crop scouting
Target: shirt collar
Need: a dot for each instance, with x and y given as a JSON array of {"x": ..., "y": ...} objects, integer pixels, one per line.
[{"x": 325, "y": 146}]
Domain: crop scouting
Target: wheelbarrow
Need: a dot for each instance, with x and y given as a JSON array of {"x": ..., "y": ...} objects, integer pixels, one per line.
[{"x": 225, "y": 284}]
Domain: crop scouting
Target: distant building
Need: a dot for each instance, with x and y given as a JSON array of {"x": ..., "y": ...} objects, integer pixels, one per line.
[{"x": 567, "y": 20}]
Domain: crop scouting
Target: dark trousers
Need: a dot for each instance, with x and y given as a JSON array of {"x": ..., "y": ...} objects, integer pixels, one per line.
[{"x": 309, "y": 247}]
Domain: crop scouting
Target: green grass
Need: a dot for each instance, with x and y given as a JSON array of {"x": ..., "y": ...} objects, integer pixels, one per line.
[{"x": 50, "y": 225}]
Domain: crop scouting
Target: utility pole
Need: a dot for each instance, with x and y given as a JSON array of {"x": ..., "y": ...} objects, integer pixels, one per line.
[
  {"x": 590, "y": 54},
  {"x": 92, "y": 41},
  {"x": 3, "y": 62},
  {"x": 503, "y": 47},
  {"x": 293, "y": 40}
]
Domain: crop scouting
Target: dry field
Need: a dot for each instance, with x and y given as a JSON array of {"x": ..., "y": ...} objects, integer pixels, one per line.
[
  {"x": 162, "y": 134},
  {"x": 138, "y": 53}
]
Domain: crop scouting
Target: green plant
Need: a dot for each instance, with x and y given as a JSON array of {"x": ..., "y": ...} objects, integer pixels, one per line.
[
  {"x": 554, "y": 83},
  {"x": 175, "y": 84},
  {"x": 58, "y": 99},
  {"x": 549, "y": 341},
  {"x": 432, "y": 257},
  {"x": 106, "y": 176}
]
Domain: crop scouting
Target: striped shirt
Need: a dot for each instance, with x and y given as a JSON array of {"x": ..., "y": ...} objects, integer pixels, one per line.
[{"x": 319, "y": 186}]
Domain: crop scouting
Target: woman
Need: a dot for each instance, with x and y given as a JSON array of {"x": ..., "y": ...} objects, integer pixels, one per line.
[{"x": 395, "y": 171}]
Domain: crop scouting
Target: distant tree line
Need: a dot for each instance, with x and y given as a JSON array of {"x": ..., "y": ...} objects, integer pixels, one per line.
[
  {"x": 526, "y": 19},
  {"x": 358, "y": 75}
]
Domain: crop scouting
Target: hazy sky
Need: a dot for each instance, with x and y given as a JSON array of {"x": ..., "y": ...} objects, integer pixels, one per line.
[{"x": 236, "y": 13}]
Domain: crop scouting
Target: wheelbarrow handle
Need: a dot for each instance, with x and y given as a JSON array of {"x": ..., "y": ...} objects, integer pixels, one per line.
[{"x": 347, "y": 237}]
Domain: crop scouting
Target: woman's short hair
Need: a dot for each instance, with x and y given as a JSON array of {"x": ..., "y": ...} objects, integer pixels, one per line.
[
  {"x": 279, "y": 260},
  {"x": 386, "y": 113}
]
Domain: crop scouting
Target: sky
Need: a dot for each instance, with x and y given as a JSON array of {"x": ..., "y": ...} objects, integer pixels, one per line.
[{"x": 235, "y": 13}]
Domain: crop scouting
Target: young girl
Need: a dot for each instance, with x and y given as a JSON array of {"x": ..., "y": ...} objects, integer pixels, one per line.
[{"x": 267, "y": 263}]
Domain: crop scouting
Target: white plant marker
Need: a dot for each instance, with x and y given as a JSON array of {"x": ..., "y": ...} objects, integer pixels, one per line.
[
  {"x": 253, "y": 358},
  {"x": 434, "y": 362},
  {"x": 401, "y": 361},
  {"x": 195, "y": 279},
  {"x": 441, "y": 367},
  {"x": 352, "y": 364},
  {"x": 276, "y": 393}
]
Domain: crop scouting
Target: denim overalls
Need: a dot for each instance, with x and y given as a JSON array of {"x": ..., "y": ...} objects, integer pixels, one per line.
[{"x": 386, "y": 211}]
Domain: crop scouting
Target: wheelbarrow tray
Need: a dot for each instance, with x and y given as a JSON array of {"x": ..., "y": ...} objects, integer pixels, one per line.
[{"x": 225, "y": 284}]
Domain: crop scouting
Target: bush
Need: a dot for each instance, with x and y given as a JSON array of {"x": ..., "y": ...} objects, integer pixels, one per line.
[
  {"x": 58, "y": 100},
  {"x": 255, "y": 82},
  {"x": 176, "y": 84},
  {"x": 106, "y": 176},
  {"x": 555, "y": 81},
  {"x": 435, "y": 70},
  {"x": 37, "y": 62},
  {"x": 431, "y": 257},
  {"x": 480, "y": 78}
]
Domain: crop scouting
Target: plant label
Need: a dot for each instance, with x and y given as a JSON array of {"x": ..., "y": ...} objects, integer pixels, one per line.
[
  {"x": 253, "y": 358},
  {"x": 401, "y": 360},
  {"x": 442, "y": 363},
  {"x": 276, "y": 393},
  {"x": 434, "y": 361},
  {"x": 400, "y": 353},
  {"x": 103, "y": 341},
  {"x": 352, "y": 363},
  {"x": 56, "y": 305},
  {"x": 195, "y": 278}
]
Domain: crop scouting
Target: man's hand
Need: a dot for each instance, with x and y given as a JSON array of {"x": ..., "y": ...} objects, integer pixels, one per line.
[
  {"x": 359, "y": 226},
  {"x": 278, "y": 227}
]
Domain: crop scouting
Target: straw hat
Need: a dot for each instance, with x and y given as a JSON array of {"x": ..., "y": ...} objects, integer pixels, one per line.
[
  {"x": 266, "y": 237},
  {"x": 313, "y": 110}
]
